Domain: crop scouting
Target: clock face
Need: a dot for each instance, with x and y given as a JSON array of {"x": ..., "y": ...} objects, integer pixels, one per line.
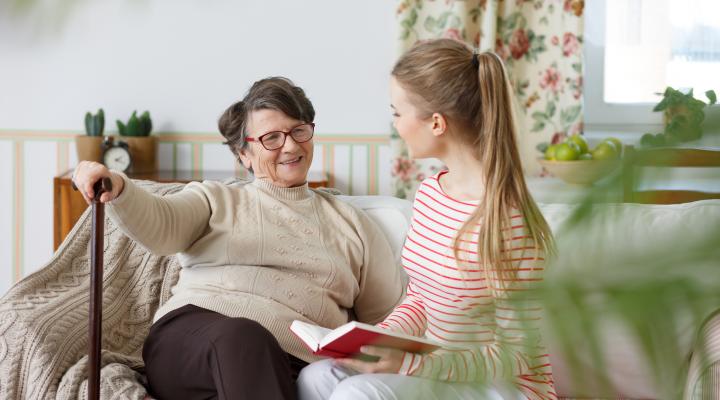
[{"x": 116, "y": 158}]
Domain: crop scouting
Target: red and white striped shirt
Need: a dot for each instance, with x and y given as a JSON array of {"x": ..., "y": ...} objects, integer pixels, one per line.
[{"x": 489, "y": 337}]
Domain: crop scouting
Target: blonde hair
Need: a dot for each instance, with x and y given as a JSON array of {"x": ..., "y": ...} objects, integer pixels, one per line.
[{"x": 473, "y": 92}]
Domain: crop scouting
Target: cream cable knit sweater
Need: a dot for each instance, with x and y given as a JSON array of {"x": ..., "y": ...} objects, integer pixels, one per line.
[{"x": 266, "y": 253}]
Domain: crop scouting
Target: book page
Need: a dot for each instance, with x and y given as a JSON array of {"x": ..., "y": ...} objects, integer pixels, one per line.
[{"x": 311, "y": 334}]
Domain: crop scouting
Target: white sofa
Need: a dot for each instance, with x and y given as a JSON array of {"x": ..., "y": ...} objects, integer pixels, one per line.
[
  {"x": 43, "y": 318},
  {"x": 613, "y": 242}
]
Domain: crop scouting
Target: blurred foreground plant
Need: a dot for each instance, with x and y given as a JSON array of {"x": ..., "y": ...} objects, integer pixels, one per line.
[{"x": 659, "y": 289}]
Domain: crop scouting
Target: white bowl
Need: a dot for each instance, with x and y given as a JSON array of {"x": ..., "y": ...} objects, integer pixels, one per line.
[{"x": 580, "y": 172}]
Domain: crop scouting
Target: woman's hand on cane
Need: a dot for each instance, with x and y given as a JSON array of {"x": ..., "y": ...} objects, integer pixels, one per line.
[{"x": 88, "y": 173}]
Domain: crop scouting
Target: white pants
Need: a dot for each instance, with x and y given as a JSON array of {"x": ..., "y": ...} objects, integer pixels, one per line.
[{"x": 323, "y": 380}]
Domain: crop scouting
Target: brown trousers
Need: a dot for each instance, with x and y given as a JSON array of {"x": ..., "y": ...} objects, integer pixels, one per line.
[{"x": 194, "y": 353}]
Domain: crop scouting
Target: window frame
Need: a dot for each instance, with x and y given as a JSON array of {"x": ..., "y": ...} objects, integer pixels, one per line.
[{"x": 600, "y": 115}]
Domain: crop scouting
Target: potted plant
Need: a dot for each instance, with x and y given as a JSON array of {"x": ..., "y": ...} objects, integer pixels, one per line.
[
  {"x": 88, "y": 146},
  {"x": 143, "y": 147},
  {"x": 683, "y": 115}
]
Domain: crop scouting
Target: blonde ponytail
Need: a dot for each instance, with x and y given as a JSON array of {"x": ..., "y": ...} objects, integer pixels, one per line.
[{"x": 473, "y": 91}]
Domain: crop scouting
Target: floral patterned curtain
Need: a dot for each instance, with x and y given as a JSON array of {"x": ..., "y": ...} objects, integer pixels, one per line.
[{"x": 541, "y": 44}]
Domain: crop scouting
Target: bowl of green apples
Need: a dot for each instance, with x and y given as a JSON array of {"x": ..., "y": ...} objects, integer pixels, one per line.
[{"x": 574, "y": 162}]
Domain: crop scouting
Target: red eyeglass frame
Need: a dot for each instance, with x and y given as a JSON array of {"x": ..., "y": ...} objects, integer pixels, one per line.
[{"x": 286, "y": 133}]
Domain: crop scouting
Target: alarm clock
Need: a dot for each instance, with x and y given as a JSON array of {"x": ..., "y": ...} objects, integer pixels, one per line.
[{"x": 116, "y": 155}]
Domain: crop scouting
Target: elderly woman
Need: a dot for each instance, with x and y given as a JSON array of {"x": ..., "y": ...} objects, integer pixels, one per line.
[{"x": 255, "y": 257}]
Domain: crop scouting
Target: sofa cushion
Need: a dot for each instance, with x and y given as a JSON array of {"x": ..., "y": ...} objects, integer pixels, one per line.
[{"x": 390, "y": 213}]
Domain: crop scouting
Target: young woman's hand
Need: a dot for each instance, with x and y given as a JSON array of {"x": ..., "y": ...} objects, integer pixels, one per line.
[
  {"x": 87, "y": 173},
  {"x": 390, "y": 361}
]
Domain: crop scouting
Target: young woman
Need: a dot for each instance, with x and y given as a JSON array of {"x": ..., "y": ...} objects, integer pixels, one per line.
[{"x": 476, "y": 241}]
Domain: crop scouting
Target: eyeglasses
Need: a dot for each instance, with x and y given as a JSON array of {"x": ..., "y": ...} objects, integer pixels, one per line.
[{"x": 276, "y": 139}]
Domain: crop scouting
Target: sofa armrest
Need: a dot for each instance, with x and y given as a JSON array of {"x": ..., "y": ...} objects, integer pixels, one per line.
[{"x": 703, "y": 380}]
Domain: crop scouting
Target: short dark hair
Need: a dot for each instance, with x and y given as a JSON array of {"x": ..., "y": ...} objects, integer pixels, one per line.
[{"x": 274, "y": 93}]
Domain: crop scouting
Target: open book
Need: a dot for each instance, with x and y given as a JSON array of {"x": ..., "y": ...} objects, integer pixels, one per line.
[{"x": 346, "y": 340}]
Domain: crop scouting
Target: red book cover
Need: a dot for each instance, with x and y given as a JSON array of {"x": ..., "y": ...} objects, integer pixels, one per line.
[{"x": 346, "y": 340}]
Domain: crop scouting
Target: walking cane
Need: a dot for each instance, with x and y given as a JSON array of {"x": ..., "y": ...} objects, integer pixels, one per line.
[{"x": 96, "y": 278}]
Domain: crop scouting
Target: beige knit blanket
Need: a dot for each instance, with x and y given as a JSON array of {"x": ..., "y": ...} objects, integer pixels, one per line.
[{"x": 44, "y": 317}]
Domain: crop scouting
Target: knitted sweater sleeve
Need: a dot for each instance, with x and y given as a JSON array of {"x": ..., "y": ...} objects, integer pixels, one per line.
[
  {"x": 164, "y": 225},
  {"x": 380, "y": 282}
]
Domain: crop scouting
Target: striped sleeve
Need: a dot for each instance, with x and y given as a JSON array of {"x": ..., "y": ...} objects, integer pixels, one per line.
[
  {"x": 409, "y": 317},
  {"x": 515, "y": 350}
]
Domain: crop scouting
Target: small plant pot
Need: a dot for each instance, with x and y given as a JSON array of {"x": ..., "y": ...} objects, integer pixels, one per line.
[
  {"x": 143, "y": 150},
  {"x": 89, "y": 148}
]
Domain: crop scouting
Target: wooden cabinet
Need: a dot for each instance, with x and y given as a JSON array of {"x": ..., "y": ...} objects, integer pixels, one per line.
[{"x": 69, "y": 204}]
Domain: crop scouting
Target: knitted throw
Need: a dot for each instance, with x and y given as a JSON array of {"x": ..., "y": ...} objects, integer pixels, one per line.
[{"x": 44, "y": 317}]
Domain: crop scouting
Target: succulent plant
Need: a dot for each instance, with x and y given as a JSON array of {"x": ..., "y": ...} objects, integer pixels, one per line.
[
  {"x": 136, "y": 126},
  {"x": 95, "y": 124}
]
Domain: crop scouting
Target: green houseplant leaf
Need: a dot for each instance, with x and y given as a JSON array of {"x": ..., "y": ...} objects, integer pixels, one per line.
[
  {"x": 711, "y": 96},
  {"x": 95, "y": 124},
  {"x": 122, "y": 129},
  {"x": 133, "y": 125},
  {"x": 145, "y": 124},
  {"x": 136, "y": 126},
  {"x": 683, "y": 115}
]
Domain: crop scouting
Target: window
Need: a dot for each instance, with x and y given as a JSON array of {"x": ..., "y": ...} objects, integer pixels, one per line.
[{"x": 635, "y": 48}]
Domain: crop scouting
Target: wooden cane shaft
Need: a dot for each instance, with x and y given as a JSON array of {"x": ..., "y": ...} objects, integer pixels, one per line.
[{"x": 96, "y": 279}]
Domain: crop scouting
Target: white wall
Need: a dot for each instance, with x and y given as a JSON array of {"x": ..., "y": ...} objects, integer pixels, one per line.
[{"x": 187, "y": 60}]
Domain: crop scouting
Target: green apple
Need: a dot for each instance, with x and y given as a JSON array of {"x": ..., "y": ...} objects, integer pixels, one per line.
[
  {"x": 567, "y": 152},
  {"x": 605, "y": 151},
  {"x": 550, "y": 152},
  {"x": 580, "y": 141},
  {"x": 618, "y": 144}
]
